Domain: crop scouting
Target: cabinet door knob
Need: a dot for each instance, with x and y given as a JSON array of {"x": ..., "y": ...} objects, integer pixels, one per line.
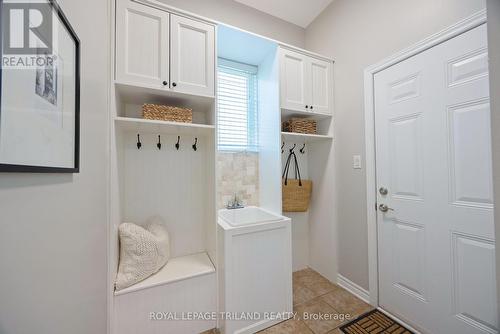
[
  {"x": 311, "y": 107},
  {"x": 165, "y": 83},
  {"x": 307, "y": 107},
  {"x": 174, "y": 84}
]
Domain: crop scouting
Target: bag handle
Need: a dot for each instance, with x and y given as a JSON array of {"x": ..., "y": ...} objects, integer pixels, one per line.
[
  {"x": 297, "y": 171},
  {"x": 287, "y": 168}
]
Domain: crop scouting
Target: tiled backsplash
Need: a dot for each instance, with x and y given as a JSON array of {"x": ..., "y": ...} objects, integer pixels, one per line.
[{"x": 237, "y": 173}]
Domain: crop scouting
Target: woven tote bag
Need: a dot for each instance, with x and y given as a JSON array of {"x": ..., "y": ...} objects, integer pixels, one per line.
[{"x": 296, "y": 193}]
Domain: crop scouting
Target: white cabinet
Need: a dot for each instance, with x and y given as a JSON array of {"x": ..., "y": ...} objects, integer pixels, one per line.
[
  {"x": 192, "y": 56},
  {"x": 158, "y": 49},
  {"x": 142, "y": 44},
  {"x": 306, "y": 82},
  {"x": 292, "y": 81},
  {"x": 255, "y": 269},
  {"x": 320, "y": 87}
]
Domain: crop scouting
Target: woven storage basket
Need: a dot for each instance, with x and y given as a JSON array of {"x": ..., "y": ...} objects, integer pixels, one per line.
[
  {"x": 296, "y": 198},
  {"x": 300, "y": 125},
  {"x": 167, "y": 113}
]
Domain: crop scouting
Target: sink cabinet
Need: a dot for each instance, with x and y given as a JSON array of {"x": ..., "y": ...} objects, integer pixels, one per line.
[{"x": 255, "y": 274}]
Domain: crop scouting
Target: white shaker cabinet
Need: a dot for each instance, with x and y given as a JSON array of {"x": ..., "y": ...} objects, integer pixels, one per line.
[
  {"x": 320, "y": 87},
  {"x": 192, "y": 56},
  {"x": 293, "y": 80},
  {"x": 158, "y": 49},
  {"x": 142, "y": 45},
  {"x": 306, "y": 82}
]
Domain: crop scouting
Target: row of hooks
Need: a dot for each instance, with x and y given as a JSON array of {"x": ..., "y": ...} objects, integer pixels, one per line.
[
  {"x": 302, "y": 150},
  {"x": 159, "y": 144},
  {"x": 195, "y": 145}
]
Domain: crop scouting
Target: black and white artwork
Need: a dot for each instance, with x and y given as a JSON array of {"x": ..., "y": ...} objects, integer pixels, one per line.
[
  {"x": 46, "y": 83},
  {"x": 40, "y": 95}
]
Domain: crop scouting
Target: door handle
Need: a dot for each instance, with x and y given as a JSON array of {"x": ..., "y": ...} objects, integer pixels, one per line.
[{"x": 384, "y": 208}]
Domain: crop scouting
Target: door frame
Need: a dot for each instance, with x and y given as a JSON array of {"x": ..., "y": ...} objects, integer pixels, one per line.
[{"x": 459, "y": 28}]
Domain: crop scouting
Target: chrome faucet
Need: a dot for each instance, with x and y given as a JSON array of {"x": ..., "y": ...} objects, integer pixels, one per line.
[{"x": 235, "y": 203}]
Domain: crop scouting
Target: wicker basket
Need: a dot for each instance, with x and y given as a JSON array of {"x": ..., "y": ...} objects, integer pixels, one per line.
[
  {"x": 167, "y": 113},
  {"x": 295, "y": 197},
  {"x": 300, "y": 125}
]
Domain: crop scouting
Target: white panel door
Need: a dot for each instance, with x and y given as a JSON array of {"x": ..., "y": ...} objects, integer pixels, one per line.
[
  {"x": 294, "y": 81},
  {"x": 320, "y": 90},
  {"x": 433, "y": 151},
  {"x": 142, "y": 45},
  {"x": 192, "y": 58}
]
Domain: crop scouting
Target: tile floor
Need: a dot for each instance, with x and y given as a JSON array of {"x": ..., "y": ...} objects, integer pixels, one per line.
[
  {"x": 321, "y": 306},
  {"x": 314, "y": 296}
]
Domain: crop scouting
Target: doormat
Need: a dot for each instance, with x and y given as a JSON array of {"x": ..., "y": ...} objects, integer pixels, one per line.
[{"x": 374, "y": 322}]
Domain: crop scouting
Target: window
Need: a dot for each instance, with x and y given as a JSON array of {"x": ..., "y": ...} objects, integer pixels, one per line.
[{"x": 236, "y": 107}]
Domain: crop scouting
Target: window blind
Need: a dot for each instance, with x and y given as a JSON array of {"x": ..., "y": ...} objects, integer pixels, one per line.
[{"x": 236, "y": 106}]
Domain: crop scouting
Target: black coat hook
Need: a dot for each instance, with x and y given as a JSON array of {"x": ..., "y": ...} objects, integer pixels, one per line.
[
  {"x": 177, "y": 145},
  {"x": 194, "y": 145},
  {"x": 293, "y": 148},
  {"x": 139, "y": 144},
  {"x": 159, "y": 142},
  {"x": 282, "y": 146},
  {"x": 302, "y": 150}
]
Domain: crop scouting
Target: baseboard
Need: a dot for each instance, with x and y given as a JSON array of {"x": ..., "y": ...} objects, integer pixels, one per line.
[{"x": 353, "y": 288}]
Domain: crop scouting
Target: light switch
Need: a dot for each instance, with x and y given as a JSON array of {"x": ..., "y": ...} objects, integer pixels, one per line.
[{"x": 356, "y": 161}]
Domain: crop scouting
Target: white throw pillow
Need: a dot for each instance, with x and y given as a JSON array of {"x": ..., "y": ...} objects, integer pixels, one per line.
[{"x": 143, "y": 251}]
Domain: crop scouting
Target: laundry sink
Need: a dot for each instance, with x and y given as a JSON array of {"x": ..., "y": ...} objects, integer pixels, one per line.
[{"x": 247, "y": 216}]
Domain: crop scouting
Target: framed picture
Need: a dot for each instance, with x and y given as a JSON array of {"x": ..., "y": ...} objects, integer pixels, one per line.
[{"x": 40, "y": 89}]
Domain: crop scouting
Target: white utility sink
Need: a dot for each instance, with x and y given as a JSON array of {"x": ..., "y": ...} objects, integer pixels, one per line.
[
  {"x": 254, "y": 257},
  {"x": 247, "y": 216}
]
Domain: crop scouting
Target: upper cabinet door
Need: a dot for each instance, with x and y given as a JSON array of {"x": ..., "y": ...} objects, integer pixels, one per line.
[
  {"x": 320, "y": 73},
  {"x": 293, "y": 81},
  {"x": 142, "y": 36},
  {"x": 192, "y": 58}
]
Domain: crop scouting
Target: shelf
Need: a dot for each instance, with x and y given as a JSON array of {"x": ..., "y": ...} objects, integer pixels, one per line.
[
  {"x": 303, "y": 137},
  {"x": 152, "y": 126},
  {"x": 285, "y": 114},
  {"x": 129, "y": 93}
]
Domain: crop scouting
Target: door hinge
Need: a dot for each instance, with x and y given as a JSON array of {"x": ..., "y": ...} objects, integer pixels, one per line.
[{"x": 376, "y": 207}]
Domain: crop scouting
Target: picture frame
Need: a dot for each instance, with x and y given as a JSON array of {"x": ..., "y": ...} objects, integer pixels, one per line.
[{"x": 40, "y": 103}]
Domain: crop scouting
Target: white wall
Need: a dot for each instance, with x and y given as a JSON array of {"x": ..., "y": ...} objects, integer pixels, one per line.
[
  {"x": 53, "y": 227},
  {"x": 244, "y": 17},
  {"x": 357, "y": 34},
  {"x": 494, "y": 54},
  {"x": 269, "y": 132}
]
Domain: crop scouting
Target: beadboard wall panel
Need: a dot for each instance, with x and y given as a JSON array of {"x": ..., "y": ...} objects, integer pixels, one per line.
[{"x": 168, "y": 183}]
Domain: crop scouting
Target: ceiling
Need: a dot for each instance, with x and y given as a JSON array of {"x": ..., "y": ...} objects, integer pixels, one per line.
[{"x": 299, "y": 12}]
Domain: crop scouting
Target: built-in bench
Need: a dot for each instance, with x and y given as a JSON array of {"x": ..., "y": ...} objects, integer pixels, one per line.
[
  {"x": 160, "y": 304},
  {"x": 176, "y": 269}
]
